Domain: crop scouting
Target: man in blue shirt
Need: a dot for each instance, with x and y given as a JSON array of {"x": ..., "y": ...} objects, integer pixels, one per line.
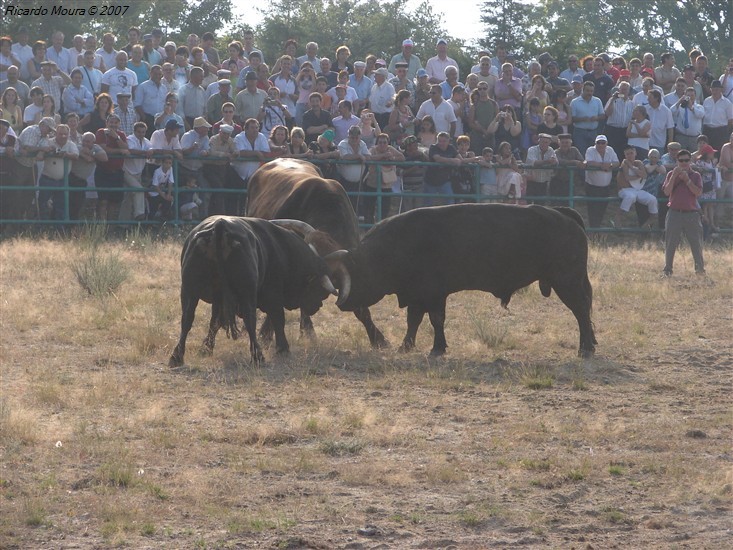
[{"x": 587, "y": 112}]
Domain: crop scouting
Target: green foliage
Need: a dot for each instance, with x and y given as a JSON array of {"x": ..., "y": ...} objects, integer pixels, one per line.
[
  {"x": 100, "y": 274},
  {"x": 508, "y": 22}
]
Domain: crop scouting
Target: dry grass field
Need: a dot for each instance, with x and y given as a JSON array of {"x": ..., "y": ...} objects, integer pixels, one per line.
[{"x": 509, "y": 440}]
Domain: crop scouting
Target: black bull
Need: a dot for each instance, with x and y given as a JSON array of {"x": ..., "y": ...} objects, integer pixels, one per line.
[
  {"x": 241, "y": 264},
  {"x": 425, "y": 255}
]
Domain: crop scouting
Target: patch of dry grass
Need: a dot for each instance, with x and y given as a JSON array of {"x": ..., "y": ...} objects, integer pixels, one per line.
[{"x": 508, "y": 439}]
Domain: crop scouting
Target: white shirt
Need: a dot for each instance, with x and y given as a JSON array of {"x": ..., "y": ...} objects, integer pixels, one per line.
[
  {"x": 246, "y": 169},
  {"x": 119, "y": 81},
  {"x": 661, "y": 119},
  {"x": 161, "y": 178},
  {"x": 91, "y": 78},
  {"x": 621, "y": 113},
  {"x": 23, "y": 54},
  {"x": 717, "y": 113},
  {"x": 435, "y": 67},
  {"x": 695, "y": 114},
  {"x": 136, "y": 165},
  {"x": 188, "y": 139},
  {"x": 62, "y": 58},
  {"x": 443, "y": 115},
  {"x": 380, "y": 96},
  {"x": 599, "y": 178},
  {"x": 352, "y": 172},
  {"x": 534, "y": 154},
  {"x": 108, "y": 58},
  {"x": 159, "y": 141}
]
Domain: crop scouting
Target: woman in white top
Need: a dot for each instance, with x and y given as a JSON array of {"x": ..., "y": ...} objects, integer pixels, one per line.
[{"x": 638, "y": 131}]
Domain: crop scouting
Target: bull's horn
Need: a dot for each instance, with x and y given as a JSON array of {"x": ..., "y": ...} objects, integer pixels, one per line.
[
  {"x": 336, "y": 255},
  {"x": 328, "y": 285},
  {"x": 345, "y": 285},
  {"x": 296, "y": 225}
]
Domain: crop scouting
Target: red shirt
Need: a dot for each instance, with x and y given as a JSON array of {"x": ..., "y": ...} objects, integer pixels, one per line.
[
  {"x": 681, "y": 198},
  {"x": 113, "y": 164}
]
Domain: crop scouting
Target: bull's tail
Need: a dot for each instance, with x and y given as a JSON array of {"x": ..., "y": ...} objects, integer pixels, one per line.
[{"x": 226, "y": 308}]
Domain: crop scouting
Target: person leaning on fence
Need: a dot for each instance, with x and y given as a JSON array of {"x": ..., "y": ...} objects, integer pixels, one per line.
[
  {"x": 567, "y": 156},
  {"x": 350, "y": 175},
  {"x": 252, "y": 146},
  {"x": 109, "y": 174},
  {"x": 602, "y": 160},
  {"x": 8, "y": 199},
  {"x": 325, "y": 149},
  {"x": 683, "y": 186},
  {"x": 219, "y": 171},
  {"x": 81, "y": 170},
  {"x": 56, "y": 164},
  {"x": 140, "y": 149},
  {"x": 438, "y": 178},
  {"x": 413, "y": 177},
  {"x": 389, "y": 178},
  {"x": 34, "y": 141},
  {"x": 540, "y": 156}
]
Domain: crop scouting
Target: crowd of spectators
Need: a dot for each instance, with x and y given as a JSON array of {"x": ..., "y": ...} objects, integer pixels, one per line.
[{"x": 112, "y": 115}]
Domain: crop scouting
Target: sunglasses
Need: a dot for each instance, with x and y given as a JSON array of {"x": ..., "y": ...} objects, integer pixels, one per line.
[{"x": 683, "y": 160}]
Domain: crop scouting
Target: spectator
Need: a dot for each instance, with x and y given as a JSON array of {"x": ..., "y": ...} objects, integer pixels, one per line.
[
  {"x": 251, "y": 146},
  {"x": 81, "y": 173},
  {"x": 311, "y": 55},
  {"x": 91, "y": 76},
  {"x": 250, "y": 102},
  {"x": 168, "y": 81},
  {"x": 568, "y": 156},
  {"x": 438, "y": 179},
  {"x": 508, "y": 179},
  {"x": 119, "y": 78},
  {"x": 194, "y": 144},
  {"x": 542, "y": 156},
  {"x": 315, "y": 120},
  {"x": 705, "y": 164},
  {"x": 401, "y": 121},
  {"x": 353, "y": 148},
  {"x": 219, "y": 171},
  {"x": 381, "y": 151},
  {"x": 35, "y": 107},
  {"x": 662, "y": 129},
  {"x": 306, "y": 84},
  {"x": 160, "y": 195},
  {"x": 192, "y": 98},
  {"x": 370, "y": 128},
  {"x": 169, "y": 113},
  {"x": 508, "y": 89},
  {"x": 506, "y": 128},
  {"x": 666, "y": 74},
  {"x": 638, "y": 130},
  {"x": 48, "y": 109},
  {"x": 324, "y": 148},
  {"x": 227, "y": 119},
  {"x": 413, "y": 177},
  {"x": 51, "y": 84},
  {"x": 725, "y": 191},
  {"x": 278, "y": 141},
  {"x": 683, "y": 186},
  {"x": 572, "y": 70},
  {"x": 166, "y": 142},
  {"x": 381, "y": 97},
  {"x": 107, "y": 52},
  {"x": 326, "y": 72},
  {"x": 151, "y": 55},
  {"x": 587, "y": 112},
  {"x": 554, "y": 79},
  {"x": 98, "y": 117},
  {"x": 688, "y": 115},
  {"x": 126, "y": 113},
  {"x": 10, "y": 110},
  {"x": 342, "y": 60},
  {"x": 60, "y": 56},
  {"x": 532, "y": 121},
  {"x": 344, "y": 121},
  {"x": 150, "y": 98},
  {"x": 133, "y": 38},
  {"x": 13, "y": 81},
  {"x": 76, "y": 97},
  {"x": 290, "y": 49},
  {"x": 718, "y": 120},
  {"x": 550, "y": 126},
  {"x": 207, "y": 45},
  {"x": 181, "y": 66},
  {"x": 235, "y": 54},
  {"x": 273, "y": 112},
  {"x": 481, "y": 114},
  {"x": 436, "y": 65},
  {"x": 619, "y": 109},
  {"x": 109, "y": 174},
  {"x": 439, "y": 109},
  {"x": 297, "y": 147},
  {"x": 562, "y": 105},
  {"x": 213, "y": 88},
  {"x": 216, "y": 101},
  {"x": 362, "y": 85},
  {"x": 487, "y": 175},
  {"x": 284, "y": 82},
  {"x": 52, "y": 204},
  {"x": 140, "y": 148},
  {"x": 406, "y": 56},
  {"x": 23, "y": 52},
  {"x": 630, "y": 181},
  {"x": 34, "y": 64},
  {"x": 597, "y": 182},
  {"x": 676, "y": 94}
]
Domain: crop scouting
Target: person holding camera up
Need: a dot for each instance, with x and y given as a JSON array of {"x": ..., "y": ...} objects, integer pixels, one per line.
[{"x": 687, "y": 114}]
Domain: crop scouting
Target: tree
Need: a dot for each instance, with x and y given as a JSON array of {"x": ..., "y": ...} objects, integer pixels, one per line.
[{"x": 508, "y": 22}]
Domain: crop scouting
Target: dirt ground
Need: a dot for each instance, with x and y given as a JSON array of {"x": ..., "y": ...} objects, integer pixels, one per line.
[{"x": 509, "y": 440}]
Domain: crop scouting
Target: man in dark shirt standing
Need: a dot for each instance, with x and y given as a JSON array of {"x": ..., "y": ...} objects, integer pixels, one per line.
[
  {"x": 603, "y": 82},
  {"x": 683, "y": 186}
]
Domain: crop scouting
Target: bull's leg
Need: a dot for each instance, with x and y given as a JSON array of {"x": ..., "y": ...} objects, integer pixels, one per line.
[
  {"x": 579, "y": 303},
  {"x": 250, "y": 324},
  {"x": 437, "y": 319},
  {"x": 376, "y": 338},
  {"x": 278, "y": 324},
  {"x": 188, "y": 312},
  {"x": 306, "y": 326},
  {"x": 266, "y": 330},
  {"x": 214, "y": 326},
  {"x": 414, "y": 318}
]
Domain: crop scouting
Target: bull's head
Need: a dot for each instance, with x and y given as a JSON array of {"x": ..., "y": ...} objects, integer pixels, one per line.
[{"x": 325, "y": 247}]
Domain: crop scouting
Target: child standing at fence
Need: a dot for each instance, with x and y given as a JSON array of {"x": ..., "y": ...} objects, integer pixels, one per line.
[
  {"x": 487, "y": 174},
  {"x": 161, "y": 190},
  {"x": 189, "y": 200}
]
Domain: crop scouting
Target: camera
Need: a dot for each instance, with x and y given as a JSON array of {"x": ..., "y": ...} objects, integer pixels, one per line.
[{"x": 684, "y": 103}]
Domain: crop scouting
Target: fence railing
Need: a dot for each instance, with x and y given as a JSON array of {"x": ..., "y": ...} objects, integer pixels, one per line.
[{"x": 572, "y": 199}]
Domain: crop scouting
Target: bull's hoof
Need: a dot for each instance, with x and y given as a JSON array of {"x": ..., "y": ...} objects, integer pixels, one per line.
[
  {"x": 437, "y": 352},
  {"x": 586, "y": 353},
  {"x": 206, "y": 351},
  {"x": 379, "y": 342},
  {"x": 283, "y": 351},
  {"x": 175, "y": 361},
  {"x": 407, "y": 346}
]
